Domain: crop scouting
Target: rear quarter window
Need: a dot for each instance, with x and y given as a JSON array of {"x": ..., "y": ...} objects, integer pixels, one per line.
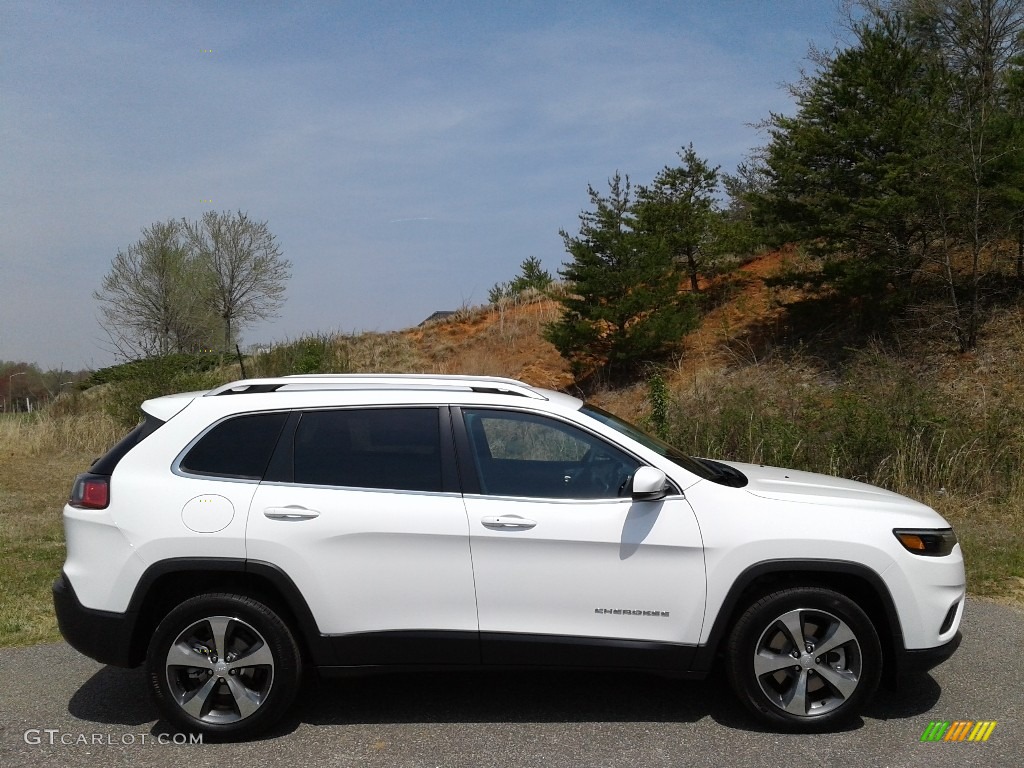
[
  {"x": 239, "y": 447},
  {"x": 105, "y": 464}
]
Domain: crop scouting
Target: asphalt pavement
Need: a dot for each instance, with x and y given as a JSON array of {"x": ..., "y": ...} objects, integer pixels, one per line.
[{"x": 58, "y": 708}]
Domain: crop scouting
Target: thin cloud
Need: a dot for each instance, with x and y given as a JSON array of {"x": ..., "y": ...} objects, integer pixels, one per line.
[{"x": 326, "y": 124}]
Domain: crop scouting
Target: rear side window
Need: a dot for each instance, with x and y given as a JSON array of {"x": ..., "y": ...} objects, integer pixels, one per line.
[
  {"x": 388, "y": 449},
  {"x": 240, "y": 447}
]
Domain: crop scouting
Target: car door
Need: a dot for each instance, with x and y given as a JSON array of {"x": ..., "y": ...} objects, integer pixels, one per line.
[
  {"x": 568, "y": 568},
  {"x": 360, "y": 507}
]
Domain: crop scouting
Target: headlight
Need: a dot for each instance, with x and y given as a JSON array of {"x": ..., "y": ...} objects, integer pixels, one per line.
[{"x": 927, "y": 541}]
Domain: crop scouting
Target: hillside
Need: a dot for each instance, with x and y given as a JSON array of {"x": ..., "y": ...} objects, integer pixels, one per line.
[
  {"x": 497, "y": 341},
  {"x": 750, "y": 324},
  {"x": 507, "y": 340}
]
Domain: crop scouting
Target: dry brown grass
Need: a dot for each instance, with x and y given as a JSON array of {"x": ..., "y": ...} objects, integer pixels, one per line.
[
  {"x": 494, "y": 341},
  {"x": 43, "y": 434},
  {"x": 383, "y": 353}
]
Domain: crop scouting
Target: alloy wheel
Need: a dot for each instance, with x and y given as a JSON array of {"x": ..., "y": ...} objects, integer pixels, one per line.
[
  {"x": 808, "y": 662},
  {"x": 219, "y": 670}
]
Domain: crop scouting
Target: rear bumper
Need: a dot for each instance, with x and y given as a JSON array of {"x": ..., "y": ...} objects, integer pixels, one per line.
[{"x": 100, "y": 635}]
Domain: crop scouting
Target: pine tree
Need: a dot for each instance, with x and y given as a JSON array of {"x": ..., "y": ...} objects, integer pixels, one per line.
[
  {"x": 849, "y": 174},
  {"x": 623, "y": 307},
  {"x": 678, "y": 209},
  {"x": 902, "y": 168}
]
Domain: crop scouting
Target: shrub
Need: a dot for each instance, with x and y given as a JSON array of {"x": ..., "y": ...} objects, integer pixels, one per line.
[{"x": 879, "y": 422}]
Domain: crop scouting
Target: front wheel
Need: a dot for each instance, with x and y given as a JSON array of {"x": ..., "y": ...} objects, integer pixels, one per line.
[
  {"x": 804, "y": 658},
  {"x": 223, "y": 665}
]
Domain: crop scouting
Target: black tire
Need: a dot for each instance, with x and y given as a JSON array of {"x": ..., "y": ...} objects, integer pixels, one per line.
[
  {"x": 214, "y": 691},
  {"x": 833, "y": 674}
]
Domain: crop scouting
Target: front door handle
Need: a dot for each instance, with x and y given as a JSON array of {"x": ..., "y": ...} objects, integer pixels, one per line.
[
  {"x": 290, "y": 513},
  {"x": 513, "y": 522}
]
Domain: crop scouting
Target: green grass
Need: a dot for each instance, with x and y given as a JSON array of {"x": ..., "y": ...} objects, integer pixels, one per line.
[
  {"x": 40, "y": 454},
  {"x": 32, "y": 493},
  {"x": 992, "y": 538}
]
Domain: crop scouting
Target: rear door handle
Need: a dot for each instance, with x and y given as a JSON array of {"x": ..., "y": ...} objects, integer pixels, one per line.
[
  {"x": 290, "y": 513},
  {"x": 508, "y": 522}
]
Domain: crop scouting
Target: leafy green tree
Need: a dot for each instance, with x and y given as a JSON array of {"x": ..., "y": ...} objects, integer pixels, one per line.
[
  {"x": 902, "y": 167},
  {"x": 678, "y": 210},
  {"x": 1014, "y": 189},
  {"x": 623, "y": 305},
  {"x": 532, "y": 275}
]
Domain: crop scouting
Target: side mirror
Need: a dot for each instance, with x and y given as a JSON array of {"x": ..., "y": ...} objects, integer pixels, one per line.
[{"x": 649, "y": 484}]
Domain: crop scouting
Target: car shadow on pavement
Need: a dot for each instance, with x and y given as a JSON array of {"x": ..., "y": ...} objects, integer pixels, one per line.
[
  {"x": 121, "y": 696},
  {"x": 560, "y": 696},
  {"x": 510, "y": 696},
  {"x": 915, "y": 695},
  {"x": 115, "y": 696}
]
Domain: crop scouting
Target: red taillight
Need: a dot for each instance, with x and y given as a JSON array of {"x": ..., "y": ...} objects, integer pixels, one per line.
[{"x": 91, "y": 492}]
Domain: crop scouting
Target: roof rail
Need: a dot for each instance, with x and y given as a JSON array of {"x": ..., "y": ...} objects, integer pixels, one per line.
[{"x": 366, "y": 381}]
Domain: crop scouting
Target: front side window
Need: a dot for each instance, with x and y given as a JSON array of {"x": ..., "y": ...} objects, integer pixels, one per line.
[
  {"x": 715, "y": 471},
  {"x": 392, "y": 449},
  {"x": 521, "y": 454}
]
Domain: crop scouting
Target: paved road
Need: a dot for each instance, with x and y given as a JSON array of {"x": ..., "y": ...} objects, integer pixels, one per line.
[{"x": 527, "y": 719}]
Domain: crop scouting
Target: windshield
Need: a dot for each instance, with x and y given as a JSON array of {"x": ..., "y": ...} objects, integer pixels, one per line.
[{"x": 657, "y": 445}]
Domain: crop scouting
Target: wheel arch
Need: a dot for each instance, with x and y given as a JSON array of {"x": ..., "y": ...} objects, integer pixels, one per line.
[
  {"x": 171, "y": 582},
  {"x": 858, "y": 582}
]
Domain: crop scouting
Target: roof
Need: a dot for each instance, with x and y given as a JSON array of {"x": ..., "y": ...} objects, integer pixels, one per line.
[{"x": 366, "y": 381}]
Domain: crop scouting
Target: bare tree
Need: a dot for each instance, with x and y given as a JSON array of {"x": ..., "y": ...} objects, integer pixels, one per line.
[
  {"x": 245, "y": 274},
  {"x": 976, "y": 44},
  {"x": 149, "y": 301}
]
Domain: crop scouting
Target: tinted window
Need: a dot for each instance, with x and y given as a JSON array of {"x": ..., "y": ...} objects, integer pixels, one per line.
[
  {"x": 709, "y": 470},
  {"x": 106, "y": 463},
  {"x": 520, "y": 454},
  {"x": 239, "y": 447},
  {"x": 395, "y": 449}
]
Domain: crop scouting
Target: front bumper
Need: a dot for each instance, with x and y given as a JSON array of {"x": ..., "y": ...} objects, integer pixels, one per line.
[
  {"x": 100, "y": 635},
  {"x": 923, "y": 659}
]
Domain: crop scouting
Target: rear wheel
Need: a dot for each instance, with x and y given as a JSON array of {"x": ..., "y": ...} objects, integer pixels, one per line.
[
  {"x": 804, "y": 658},
  {"x": 223, "y": 665}
]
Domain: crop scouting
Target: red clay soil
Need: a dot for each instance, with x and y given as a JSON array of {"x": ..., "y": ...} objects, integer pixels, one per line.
[{"x": 509, "y": 342}]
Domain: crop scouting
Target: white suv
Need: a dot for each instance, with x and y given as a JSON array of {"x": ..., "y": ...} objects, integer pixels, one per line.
[{"x": 239, "y": 536}]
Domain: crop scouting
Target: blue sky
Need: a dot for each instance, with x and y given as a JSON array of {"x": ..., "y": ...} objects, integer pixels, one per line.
[{"x": 407, "y": 155}]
